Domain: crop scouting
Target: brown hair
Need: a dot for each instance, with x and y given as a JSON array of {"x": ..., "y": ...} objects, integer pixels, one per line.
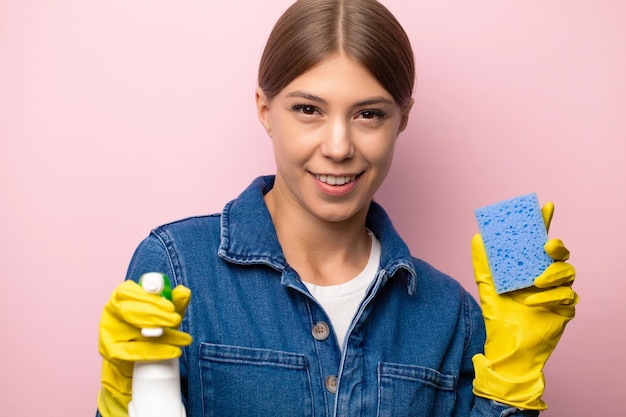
[{"x": 312, "y": 30}]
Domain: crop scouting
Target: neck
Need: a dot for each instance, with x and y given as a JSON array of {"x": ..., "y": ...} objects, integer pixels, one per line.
[{"x": 322, "y": 252}]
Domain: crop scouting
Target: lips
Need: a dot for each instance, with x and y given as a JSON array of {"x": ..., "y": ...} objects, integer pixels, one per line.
[{"x": 335, "y": 180}]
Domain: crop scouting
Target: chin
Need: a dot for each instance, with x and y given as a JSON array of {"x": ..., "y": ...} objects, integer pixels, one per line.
[{"x": 335, "y": 215}]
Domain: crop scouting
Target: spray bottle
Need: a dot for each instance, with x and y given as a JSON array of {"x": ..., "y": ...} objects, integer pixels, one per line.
[{"x": 156, "y": 384}]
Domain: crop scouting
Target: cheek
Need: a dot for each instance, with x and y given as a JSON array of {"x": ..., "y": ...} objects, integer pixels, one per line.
[
  {"x": 380, "y": 150},
  {"x": 380, "y": 158},
  {"x": 286, "y": 145},
  {"x": 290, "y": 139},
  {"x": 279, "y": 134},
  {"x": 385, "y": 163}
]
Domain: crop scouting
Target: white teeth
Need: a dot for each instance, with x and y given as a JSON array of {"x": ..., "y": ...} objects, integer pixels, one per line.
[{"x": 332, "y": 180}]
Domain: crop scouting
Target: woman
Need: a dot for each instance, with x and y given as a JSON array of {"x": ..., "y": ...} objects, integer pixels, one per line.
[{"x": 305, "y": 299}]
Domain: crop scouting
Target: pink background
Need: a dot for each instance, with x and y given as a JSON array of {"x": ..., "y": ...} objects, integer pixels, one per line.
[{"x": 117, "y": 116}]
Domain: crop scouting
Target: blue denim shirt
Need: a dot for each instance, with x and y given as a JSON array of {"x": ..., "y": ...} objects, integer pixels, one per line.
[{"x": 263, "y": 346}]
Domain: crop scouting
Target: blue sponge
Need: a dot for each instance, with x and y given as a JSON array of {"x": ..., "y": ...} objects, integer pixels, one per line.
[{"x": 514, "y": 235}]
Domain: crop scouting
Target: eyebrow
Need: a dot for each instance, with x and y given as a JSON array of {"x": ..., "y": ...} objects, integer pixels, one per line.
[{"x": 367, "y": 102}]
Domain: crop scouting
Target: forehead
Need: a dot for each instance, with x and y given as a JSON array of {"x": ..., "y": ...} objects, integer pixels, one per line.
[{"x": 337, "y": 77}]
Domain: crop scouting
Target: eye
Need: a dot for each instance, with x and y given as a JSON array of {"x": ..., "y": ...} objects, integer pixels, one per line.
[
  {"x": 306, "y": 109},
  {"x": 371, "y": 114}
]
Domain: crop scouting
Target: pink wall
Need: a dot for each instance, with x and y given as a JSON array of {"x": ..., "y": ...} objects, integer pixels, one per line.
[{"x": 117, "y": 116}]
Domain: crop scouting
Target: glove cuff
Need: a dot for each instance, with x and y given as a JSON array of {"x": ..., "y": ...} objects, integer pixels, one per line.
[
  {"x": 523, "y": 391},
  {"x": 115, "y": 393},
  {"x": 113, "y": 404}
]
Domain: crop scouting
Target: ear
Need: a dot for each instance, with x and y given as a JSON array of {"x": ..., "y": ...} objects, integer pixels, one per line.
[
  {"x": 405, "y": 116},
  {"x": 263, "y": 110}
]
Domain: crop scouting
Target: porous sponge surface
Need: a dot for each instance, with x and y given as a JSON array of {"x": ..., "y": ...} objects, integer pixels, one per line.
[{"x": 514, "y": 235}]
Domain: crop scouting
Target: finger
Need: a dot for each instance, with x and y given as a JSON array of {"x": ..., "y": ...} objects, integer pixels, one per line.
[
  {"x": 135, "y": 351},
  {"x": 171, "y": 337},
  {"x": 482, "y": 274},
  {"x": 555, "y": 275},
  {"x": 479, "y": 259},
  {"x": 556, "y": 250},
  {"x": 175, "y": 338},
  {"x": 547, "y": 211},
  {"x": 554, "y": 297},
  {"x": 123, "y": 332},
  {"x": 131, "y": 291},
  {"x": 180, "y": 297},
  {"x": 132, "y": 305},
  {"x": 142, "y": 315}
]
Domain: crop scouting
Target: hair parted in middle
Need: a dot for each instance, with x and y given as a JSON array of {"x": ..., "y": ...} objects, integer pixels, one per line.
[{"x": 312, "y": 30}]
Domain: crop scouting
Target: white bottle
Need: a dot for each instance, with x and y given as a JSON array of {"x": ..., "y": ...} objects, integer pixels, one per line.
[{"x": 156, "y": 385}]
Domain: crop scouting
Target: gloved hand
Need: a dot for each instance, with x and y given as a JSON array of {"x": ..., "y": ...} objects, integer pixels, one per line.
[
  {"x": 523, "y": 327},
  {"x": 130, "y": 309}
]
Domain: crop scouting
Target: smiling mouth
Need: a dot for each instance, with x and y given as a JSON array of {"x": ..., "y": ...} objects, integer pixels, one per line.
[{"x": 332, "y": 180}]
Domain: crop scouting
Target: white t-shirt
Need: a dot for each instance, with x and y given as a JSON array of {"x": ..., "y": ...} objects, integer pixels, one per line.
[{"x": 342, "y": 301}]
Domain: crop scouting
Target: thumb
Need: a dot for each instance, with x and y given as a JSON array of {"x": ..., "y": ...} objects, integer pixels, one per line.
[
  {"x": 479, "y": 260},
  {"x": 482, "y": 274},
  {"x": 547, "y": 211},
  {"x": 181, "y": 296},
  {"x": 556, "y": 250}
]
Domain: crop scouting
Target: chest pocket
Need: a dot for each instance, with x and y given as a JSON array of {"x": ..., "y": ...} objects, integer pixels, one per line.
[
  {"x": 239, "y": 381},
  {"x": 405, "y": 390}
]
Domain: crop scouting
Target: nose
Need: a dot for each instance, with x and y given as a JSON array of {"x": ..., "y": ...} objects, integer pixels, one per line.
[{"x": 337, "y": 143}]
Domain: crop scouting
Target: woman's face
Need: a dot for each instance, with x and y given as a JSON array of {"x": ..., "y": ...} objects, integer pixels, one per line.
[{"x": 334, "y": 130}]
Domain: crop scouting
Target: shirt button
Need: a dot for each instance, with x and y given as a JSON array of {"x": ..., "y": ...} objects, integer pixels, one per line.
[
  {"x": 331, "y": 384},
  {"x": 320, "y": 331}
]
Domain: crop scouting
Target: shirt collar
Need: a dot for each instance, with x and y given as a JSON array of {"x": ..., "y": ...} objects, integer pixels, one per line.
[{"x": 248, "y": 235}]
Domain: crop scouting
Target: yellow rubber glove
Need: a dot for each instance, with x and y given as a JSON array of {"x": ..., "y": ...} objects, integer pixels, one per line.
[
  {"x": 130, "y": 309},
  {"x": 523, "y": 327}
]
